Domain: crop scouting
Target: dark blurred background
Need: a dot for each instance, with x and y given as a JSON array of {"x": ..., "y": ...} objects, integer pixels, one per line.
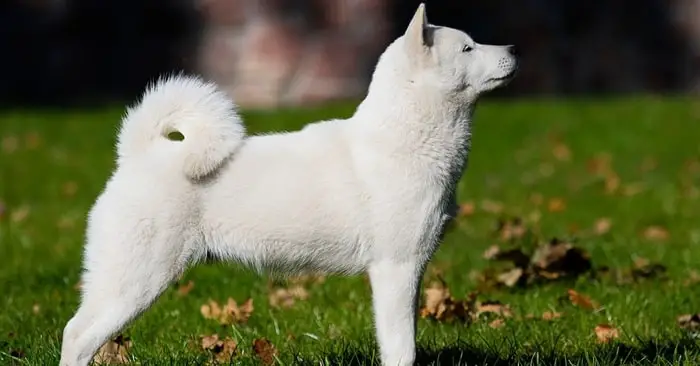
[{"x": 268, "y": 53}]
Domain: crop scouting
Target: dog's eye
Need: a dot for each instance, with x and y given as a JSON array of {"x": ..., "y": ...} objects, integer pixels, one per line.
[{"x": 467, "y": 48}]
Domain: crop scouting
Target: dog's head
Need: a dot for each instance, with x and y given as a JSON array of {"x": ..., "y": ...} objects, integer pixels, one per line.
[{"x": 451, "y": 60}]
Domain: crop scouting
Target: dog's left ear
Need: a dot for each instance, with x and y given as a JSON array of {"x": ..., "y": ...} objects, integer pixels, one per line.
[{"x": 417, "y": 37}]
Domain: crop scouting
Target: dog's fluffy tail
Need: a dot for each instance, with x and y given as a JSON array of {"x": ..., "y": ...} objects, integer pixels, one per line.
[{"x": 202, "y": 113}]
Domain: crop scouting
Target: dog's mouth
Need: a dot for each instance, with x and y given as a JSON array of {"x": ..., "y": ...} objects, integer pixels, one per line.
[{"x": 506, "y": 77}]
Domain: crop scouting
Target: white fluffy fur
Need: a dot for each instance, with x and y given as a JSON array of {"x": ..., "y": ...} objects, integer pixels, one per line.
[{"x": 368, "y": 194}]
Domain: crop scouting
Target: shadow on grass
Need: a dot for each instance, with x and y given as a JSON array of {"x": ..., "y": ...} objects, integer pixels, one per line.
[{"x": 655, "y": 352}]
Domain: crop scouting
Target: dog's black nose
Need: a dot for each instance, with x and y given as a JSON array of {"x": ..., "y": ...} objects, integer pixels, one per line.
[{"x": 513, "y": 51}]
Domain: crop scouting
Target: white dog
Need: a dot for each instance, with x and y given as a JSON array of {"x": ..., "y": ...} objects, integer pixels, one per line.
[{"x": 371, "y": 193}]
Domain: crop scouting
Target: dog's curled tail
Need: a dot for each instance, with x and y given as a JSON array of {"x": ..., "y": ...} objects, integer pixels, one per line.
[{"x": 205, "y": 116}]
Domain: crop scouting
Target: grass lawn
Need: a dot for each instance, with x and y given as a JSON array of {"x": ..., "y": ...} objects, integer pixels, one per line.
[{"x": 619, "y": 179}]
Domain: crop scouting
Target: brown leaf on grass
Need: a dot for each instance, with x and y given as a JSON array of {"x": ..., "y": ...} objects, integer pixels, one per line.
[
  {"x": 211, "y": 310},
  {"x": 602, "y": 226},
  {"x": 32, "y": 140},
  {"x": 560, "y": 259},
  {"x": 643, "y": 268},
  {"x": 491, "y": 252},
  {"x": 655, "y": 233},
  {"x": 606, "y": 333},
  {"x": 536, "y": 199},
  {"x": 222, "y": 350},
  {"x": 581, "y": 300},
  {"x": 265, "y": 351},
  {"x": 600, "y": 164},
  {"x": 307, "y": 279},
  {"x": 69, "y": 189},
  {"x": 185, "y": 289},
  {"x": 561, "y": 152},
  {"x": 612, "y": 183},
  {"x": 551, "y": 315},
  {"x": 115, "y": 351},
  {"x": 440, "y": 305},
  {"x": 556, "y": 205},
  {"x": 693, "y": 278},
  {"x": 66, "y": 222},
  {"x": 19, "y": 214},
  {"x": 497, "y": 323},
  {"x": 466, "y": 209},
  {"x": 689, "y": 322},
  {"x": 494, "y": 307},
  {"x": 648, "y": 164},
  {"x": 492, "y": 207},
  {"x": 511, "y": 277},
  {"x": 229, "y": 313},
  {"x": 9, "y": 144},
  {"x": 516, "y": 256},
  {"x": 633, "y": 189},
  {"x": 511, "y": 229},
  {"x": 286, "y": 297}
]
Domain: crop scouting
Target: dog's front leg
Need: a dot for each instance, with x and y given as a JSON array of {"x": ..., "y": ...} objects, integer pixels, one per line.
[{"x": 395, "y": 287}]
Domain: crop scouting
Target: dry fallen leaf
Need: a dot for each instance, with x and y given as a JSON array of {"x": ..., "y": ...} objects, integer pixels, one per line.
[
  {"x": 211, "y": 310},
  {"x": 497, "y": 323},
  {"x": 69, "y": 189},
  {"x": 511, "y": 277},
  {"x": 689, "y": 322},
  {"x": 232, "y": 313},
  {"x": 229, "y": 313},
  {"x": 612, "y": 183},
  {"x": 115, "y": 351},
  {"x": 655, "y": 233},
  {"x": 494, "y": 307},
  {"x": 633, "y": 189},
  {"x": 265, "y": 351},
  {"x": 556, "y": 205},
  {"x": 602, "y": 225},
  {"x": 440, "y": 305},
  {"x": 581, "y": 300},
  {"x": 511, "y": 229},
  {"x": 693, "y": 278},
  {"x": 606, "y": 332},
  {"x": 561, "y": 152},
  {"x": 185, "y": 289},
  {"x": 9, "y": 144},
  {"x": 648, "y": 164},
  {"x": 466, "y": 209},
  {"x": 19, "y": 214},
  {"x": 32, "y": 140},
  {"x": 492, "y": 207},
  {"x": 643, "y": 268},
  {"x": 308, "y": 279},
  {"x": 536, "y": 199},
  {"x": 222, "y": 350},
  {"x": 286, "y": 297},
  {"x": 551, "y": 315},
  {"x": 560, "y": 259}
]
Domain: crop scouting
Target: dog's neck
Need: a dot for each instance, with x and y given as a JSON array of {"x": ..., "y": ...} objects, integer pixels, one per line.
[{"x": 435, "y": 128}]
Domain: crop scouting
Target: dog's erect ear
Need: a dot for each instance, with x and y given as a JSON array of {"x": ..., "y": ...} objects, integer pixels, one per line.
[{"x": 416, "y": 37}]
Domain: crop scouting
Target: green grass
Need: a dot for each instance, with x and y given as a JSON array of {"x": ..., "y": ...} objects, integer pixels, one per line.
[{"x": 511, "y": 160}]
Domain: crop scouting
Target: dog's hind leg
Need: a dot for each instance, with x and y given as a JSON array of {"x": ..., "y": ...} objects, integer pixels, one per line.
[{"x": 120, "y": 281}]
